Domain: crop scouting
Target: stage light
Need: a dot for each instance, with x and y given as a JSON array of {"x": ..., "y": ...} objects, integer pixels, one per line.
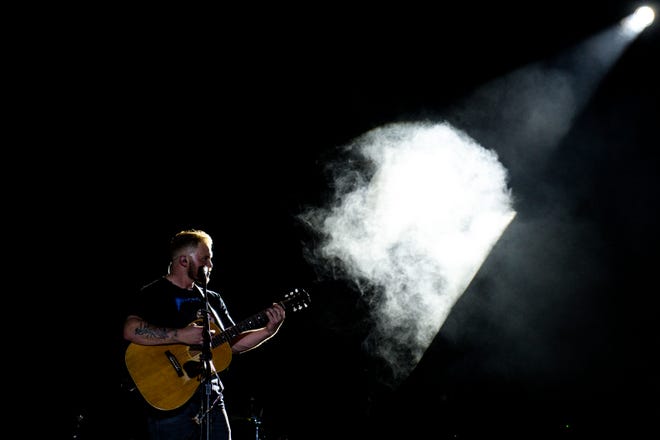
[{"x": 639, "y": 20}]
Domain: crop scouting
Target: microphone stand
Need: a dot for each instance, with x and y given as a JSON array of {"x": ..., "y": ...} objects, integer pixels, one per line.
[{"x": 206, "y": 357}]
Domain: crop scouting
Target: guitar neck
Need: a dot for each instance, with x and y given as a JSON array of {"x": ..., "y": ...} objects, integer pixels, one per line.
[
  {"x": 294, "y": 301},
  {"x": 257, "y": 320}
]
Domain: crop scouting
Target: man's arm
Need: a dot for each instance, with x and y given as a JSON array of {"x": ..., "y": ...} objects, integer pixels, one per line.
[{"x": 139, "y": 331}]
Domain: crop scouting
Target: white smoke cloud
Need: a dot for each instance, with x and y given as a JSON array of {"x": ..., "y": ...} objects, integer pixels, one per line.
[{"x": 417, "y": 208}]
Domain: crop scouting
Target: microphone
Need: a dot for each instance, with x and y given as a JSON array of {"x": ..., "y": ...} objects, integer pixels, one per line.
[{"x": 203, "y": 273}]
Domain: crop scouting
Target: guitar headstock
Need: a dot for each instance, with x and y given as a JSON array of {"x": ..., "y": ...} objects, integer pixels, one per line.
[{"x": 295, "y": 300}]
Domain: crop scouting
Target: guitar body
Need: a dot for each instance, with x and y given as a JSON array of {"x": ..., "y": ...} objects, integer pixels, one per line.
[{"x": 168, "y": 375}]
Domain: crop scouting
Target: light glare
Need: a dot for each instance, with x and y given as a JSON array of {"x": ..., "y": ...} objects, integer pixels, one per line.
[{"x": 640, "y": 19}]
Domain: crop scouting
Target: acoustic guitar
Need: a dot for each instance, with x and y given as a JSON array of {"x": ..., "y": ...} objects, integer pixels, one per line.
[{"x": 168, "y": 375}]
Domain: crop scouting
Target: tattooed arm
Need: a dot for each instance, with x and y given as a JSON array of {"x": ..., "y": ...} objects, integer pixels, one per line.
[{"x": 139, "y": 331}]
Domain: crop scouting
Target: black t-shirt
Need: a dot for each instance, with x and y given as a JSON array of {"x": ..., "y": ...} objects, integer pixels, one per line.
[{"x": 163, "y": 304}]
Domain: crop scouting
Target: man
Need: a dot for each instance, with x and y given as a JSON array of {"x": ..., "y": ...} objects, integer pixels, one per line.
[{"x": 178, "y": 312}]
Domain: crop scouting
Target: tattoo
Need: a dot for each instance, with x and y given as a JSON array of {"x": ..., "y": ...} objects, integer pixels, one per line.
[{"x": 150, "y": 332}]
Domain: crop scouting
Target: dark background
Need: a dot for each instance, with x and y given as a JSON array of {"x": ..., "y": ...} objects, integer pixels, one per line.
[{"x": 154, "y": 122}]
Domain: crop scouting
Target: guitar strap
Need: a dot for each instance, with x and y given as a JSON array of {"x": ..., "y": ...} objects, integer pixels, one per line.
[
  {"x": 219, "y": 386},
  {"x": 218, "y": 322}
]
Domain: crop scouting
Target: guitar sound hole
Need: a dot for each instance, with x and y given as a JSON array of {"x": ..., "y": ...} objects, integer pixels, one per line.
[{"x": 192, "y": 368}]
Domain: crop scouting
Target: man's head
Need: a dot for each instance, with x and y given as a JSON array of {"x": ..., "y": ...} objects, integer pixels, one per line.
[{"x": 191, "y": 250}]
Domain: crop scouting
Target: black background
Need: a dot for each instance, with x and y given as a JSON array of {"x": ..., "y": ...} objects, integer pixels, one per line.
[{"x": 155, "y": 121}]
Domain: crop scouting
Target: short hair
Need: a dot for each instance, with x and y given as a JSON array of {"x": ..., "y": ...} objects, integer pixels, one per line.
[{"x": 188, "y": 239}]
